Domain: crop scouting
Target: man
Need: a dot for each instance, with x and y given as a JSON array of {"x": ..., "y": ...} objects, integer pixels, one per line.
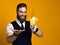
[{"x": 19, "y": 32}]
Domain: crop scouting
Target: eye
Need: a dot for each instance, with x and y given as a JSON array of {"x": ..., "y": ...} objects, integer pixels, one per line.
[
  {"x": 21, "y": 11},
  {"x": 25, "y": 11}
]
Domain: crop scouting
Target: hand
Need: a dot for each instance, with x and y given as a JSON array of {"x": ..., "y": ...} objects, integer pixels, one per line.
[
  {"x": 17, "y": 32},
  {"x": 33, "y": 28}
]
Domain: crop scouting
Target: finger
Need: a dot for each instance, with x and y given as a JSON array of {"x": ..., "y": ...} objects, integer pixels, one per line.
[
  {"x": 21, "y": 30},
  {"x": 17, "y": 30},
  {"x": 31, "y": 27}
]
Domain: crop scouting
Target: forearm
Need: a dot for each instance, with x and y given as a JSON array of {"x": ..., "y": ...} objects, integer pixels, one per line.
[
  {"x": 39, "y": 33},
  {"x": 11, "y": 38}
]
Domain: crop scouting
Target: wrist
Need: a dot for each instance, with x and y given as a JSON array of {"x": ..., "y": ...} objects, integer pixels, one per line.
[{"x": 36, "y": 30}]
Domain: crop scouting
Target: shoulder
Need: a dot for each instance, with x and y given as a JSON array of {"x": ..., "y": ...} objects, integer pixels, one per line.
[{"x": 9, "y": 24}]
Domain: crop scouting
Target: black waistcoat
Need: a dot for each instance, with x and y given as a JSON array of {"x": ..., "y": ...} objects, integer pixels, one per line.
[{"x": 23, "y": 38}]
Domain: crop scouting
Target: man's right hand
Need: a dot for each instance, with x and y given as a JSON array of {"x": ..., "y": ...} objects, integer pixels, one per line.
[{"x": 17, "y": 32}]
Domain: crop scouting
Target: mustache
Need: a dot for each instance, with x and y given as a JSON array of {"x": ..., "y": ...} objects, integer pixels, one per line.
[
  {"x": 18, "y": 17},
  {"x": 22, "y": 15}
]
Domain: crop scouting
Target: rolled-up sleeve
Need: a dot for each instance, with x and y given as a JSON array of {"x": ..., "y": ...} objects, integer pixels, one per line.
[{"x": 8, "y": 30}]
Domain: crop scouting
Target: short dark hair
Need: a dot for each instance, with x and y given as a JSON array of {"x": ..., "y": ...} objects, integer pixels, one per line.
[{"x": 21, "y": 5}]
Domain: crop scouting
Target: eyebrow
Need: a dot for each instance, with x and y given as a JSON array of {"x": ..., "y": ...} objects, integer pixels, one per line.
[{"x": 22, "y": 11}]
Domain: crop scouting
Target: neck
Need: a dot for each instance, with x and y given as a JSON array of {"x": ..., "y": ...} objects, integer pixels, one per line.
[{"x": 21, "y": 21}]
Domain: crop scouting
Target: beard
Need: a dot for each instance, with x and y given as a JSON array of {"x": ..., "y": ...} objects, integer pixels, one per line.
[{"x": 21, "y": 20}]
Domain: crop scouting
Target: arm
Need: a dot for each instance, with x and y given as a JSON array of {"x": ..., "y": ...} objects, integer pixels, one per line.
[
  {"x": 11, "y": 38},
  {"x": 10, "y": 34},
  {"x": 36, "y": 31},
  {"x": 39, "y": 33}
]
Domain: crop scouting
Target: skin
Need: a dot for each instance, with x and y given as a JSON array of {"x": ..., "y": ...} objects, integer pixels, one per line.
[{"x": 22, "y": 12}]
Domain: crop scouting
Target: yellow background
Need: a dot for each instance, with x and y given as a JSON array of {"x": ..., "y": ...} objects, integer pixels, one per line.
[{"x": 48, "y": 13}]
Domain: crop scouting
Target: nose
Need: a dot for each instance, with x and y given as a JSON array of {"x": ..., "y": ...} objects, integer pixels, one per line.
[{"x": 23, "y": 13}]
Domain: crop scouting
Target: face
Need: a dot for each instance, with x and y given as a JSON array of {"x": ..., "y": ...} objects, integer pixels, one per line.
[{"x": 22, "y": 12}]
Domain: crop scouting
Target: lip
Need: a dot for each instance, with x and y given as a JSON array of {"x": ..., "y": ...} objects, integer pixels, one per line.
[{"x": 22, "y": 16}]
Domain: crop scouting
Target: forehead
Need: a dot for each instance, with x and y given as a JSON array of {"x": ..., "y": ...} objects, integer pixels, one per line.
[{"x": 22, "y": 9}]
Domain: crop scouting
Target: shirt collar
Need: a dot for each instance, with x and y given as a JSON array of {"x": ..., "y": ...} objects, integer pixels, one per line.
[{"x": 19, "y": 21}]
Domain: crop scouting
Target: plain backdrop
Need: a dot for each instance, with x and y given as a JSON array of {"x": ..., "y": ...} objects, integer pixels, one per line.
[{"x": 47, "y": 12}]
